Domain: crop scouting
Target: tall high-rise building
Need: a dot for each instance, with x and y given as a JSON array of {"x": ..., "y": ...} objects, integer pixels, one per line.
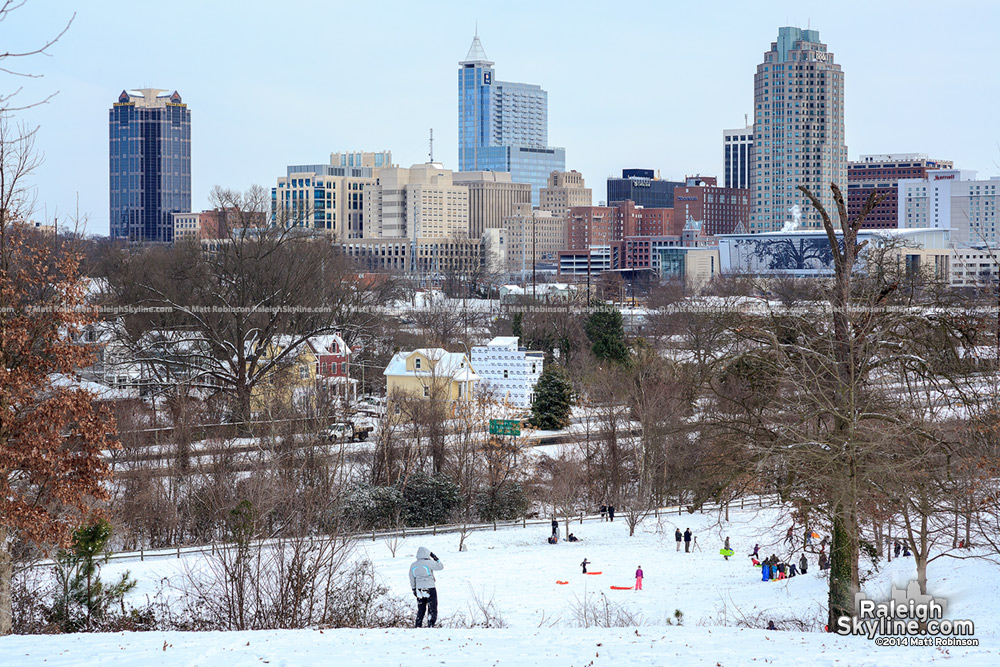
[
  {"x": 798, "y": 134},
  {"x": 737, "y": 145},
  {"x": 882, "y": 173},
  {"x": 503, "y": 126},
  {"x": 150, "y": 164}
]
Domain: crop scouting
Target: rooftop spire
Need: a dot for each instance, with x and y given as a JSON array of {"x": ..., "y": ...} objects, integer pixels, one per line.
[{"x": 476, "y": 51}]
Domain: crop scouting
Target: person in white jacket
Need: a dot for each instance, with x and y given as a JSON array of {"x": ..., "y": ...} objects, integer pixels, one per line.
[{"x": 424, "y": 586}]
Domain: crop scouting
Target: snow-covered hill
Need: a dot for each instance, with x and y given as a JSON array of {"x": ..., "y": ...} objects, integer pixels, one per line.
[{"x": 517, "y": 571}]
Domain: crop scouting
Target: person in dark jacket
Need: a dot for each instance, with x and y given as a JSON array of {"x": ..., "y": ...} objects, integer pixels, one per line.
[
  {"x": 895, "y": 549},
  {"x": 726, "y": 547},
  {"x": 791, "y": 570},
  {"x": 555, "y": 527},
  {"x": 678, "y": 537},
  {"x": 803, "y": 564},
  {"x": 611, "y": 512},
  {"x": 770, "y": 625},
  {"x": 687, "y": 540},
  {"x": 572, "y": 538},
  {"x": 424, "y": 586},
  {"x": 756, "y": 550},
  {"x": 604, "y": 512},
  {"x": 584, "y": 565},
  {"x": 822, "y": 560}
]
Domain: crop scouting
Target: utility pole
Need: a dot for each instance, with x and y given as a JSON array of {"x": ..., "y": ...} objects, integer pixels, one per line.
[{"x": 534, "y": 294}]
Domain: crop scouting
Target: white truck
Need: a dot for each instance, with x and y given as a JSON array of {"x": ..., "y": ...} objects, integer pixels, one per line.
[{"x": 346, "y": 432}]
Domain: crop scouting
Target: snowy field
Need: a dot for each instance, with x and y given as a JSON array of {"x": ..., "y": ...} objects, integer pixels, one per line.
[{"x": 517, "y": 571}]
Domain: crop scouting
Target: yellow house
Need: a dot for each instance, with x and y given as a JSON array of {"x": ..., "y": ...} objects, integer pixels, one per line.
[
  {"x": 431, "y": 373},
  {"x": 291, "y": 382}
]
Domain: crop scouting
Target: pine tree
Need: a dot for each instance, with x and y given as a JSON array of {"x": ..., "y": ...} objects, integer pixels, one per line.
[
  {"x": 606, "y": 332},
  {"x": 553, "y": 399}
]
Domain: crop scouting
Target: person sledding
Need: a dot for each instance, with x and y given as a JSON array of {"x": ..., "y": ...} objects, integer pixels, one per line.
[{"x": 584, "y": 565}]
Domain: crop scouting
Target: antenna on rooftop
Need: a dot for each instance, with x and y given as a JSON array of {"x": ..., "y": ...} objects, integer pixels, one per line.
[{"x": 430, "y": 152}]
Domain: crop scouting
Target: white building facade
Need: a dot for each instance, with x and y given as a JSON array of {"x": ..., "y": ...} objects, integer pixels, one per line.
[
  {"x": 508, "y": 370},
  {"x": 954, "y": 200}
]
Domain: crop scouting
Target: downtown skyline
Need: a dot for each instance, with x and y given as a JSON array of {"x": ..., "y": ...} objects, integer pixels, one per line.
[{"x": 391, "y": 79}]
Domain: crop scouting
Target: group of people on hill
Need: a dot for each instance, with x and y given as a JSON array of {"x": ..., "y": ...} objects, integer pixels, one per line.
[
  {"x": 554, "y": 537},
  {"x": 773, "y": 568}
]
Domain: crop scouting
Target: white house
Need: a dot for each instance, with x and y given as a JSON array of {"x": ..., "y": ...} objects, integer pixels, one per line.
[{"x": 508, "y": 370}]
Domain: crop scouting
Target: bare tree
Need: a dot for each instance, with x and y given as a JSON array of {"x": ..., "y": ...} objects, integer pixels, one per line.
[{"x": 231, "y": 316}]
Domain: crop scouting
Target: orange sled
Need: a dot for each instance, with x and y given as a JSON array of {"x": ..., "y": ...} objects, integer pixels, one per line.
[
  {"x": 562, "y": 583},
  {"x": 595, "y": 573},
  {"x": 621, "y": 588}
]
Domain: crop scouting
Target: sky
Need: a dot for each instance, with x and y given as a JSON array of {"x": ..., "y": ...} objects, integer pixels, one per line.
[{"x": 631, "y": 85}]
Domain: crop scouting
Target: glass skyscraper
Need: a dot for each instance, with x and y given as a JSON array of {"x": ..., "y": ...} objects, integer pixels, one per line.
[
  {"x": 150, "y": 164},
  {"x": 503, "y": 126}
]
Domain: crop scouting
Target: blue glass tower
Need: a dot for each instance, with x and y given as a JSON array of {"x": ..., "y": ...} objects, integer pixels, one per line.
[
  {"x": 503, "y": 126},
  {"x": 150, "y": 164}
]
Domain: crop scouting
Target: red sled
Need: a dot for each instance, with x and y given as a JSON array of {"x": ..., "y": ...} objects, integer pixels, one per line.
[
  {"x": 593, "y": 573},
  {"x": 562, "y": 583},
  {"x": 621, "y": 588}
]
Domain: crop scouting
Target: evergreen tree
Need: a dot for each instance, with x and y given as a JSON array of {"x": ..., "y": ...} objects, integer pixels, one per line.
[
  {"x": 517, "y": 325},
  {"x": 606, "y": 332},
  {"x": 553, "y": 399}
]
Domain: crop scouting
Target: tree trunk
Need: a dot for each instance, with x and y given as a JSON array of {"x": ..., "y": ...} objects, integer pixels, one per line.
[
  {"x": 6, "y": 573},
  {"x": 843, "y": 564}
]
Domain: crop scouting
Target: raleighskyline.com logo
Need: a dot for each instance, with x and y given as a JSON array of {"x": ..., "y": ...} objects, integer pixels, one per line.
[{"x": 907, "y": 618}]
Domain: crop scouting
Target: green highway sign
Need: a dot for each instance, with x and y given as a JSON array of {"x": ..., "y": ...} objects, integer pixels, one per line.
[{"x": 505, "y": 427}]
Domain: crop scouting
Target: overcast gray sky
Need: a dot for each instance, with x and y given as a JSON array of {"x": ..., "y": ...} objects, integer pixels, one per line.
[{"x": 631, "y": 84}]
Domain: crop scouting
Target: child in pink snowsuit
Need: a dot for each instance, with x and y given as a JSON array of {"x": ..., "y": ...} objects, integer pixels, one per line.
[{"x": 638, "y": 579}]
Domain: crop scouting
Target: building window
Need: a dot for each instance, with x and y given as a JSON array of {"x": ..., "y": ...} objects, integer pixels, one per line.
[
  {"x": 427, "y": 391},
  {"x": 505, "y": 374},
  {"x": 416, "y": 363}
]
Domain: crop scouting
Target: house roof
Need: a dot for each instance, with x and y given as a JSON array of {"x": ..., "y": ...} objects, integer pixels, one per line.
[
  {"x": 503, "y": 341},
  {"x": 446, "y": 364},
  {"x": 330, "y": 344}
]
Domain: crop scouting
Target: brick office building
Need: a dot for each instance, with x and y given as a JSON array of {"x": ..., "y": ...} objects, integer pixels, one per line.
[
  {"x": 882, "y": 173},
  {"x": 719, "y": 209}
]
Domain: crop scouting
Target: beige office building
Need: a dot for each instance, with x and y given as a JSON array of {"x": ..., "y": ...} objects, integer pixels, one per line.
[
  {"x": 532, "y": 236},
  {"x": 417, "y": 220},
  {"x": 565, "y": 190},
  {"x": 419, "y": 202},
  {"x": 492, "y": 197}
]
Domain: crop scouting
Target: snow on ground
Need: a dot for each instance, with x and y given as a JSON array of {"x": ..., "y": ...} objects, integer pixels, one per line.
[
  {"x": 517, "y": 570},
  {"x": 686, "y": 646}
]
